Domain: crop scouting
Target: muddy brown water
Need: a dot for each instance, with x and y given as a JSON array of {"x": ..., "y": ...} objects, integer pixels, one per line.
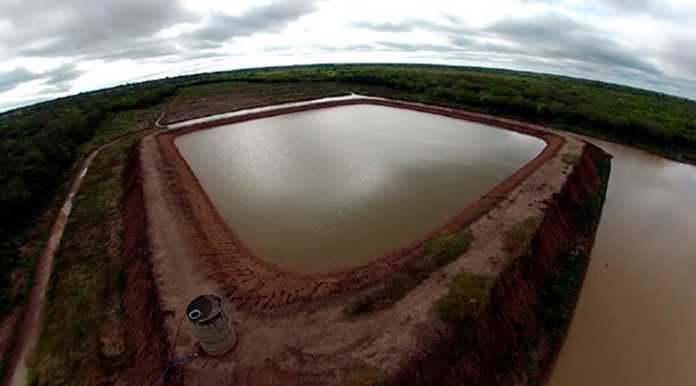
[
  {"x": 328, "y": 189},
  {"x": 635, "y": 323}
]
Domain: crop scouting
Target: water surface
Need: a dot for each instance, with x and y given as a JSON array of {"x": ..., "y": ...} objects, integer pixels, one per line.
[
  {"x": 328, "y": 189},
  {"x": 635, "y": 323}
]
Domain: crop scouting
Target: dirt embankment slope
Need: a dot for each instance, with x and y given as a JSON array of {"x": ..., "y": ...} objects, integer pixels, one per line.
[
  {"x": 519, "y": 338},
  {"x": 144, "y": 318},
  {"x": 292, "y": 329}
]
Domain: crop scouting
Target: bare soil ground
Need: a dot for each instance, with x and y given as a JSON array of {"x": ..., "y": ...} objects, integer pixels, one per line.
[
  {"x": 212, "y": 99},
  {"x": 292, "y": 328}
]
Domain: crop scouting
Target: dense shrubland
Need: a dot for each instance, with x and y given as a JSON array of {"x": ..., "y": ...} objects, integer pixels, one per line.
[{"x": 656, "y": 122}]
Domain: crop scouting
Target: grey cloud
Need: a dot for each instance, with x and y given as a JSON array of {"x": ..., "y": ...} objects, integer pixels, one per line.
[
  {"x": 558, "y": 37},
  {"x": 13, "y": 78},
  {"x": 273, "y": 17},
  {"x": 657, "y": 9},
  {"x": 56, "y": 80},
  {"x": 453, "y": 27},
  {"x": 405, "y": 26},
  {"x": 413, "y": 47},
  {"x": 549, "y": 36},
  {"x": 79, "y": 27},
  {"x": 680, "y": 55},
  {"x": 327, "y": 48},
  {"x": 59, "y": 79}
]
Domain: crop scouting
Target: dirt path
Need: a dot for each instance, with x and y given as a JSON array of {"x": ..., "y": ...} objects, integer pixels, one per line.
[
  {"x": 24, "y": 352},
  {"x": 27, "y": 341}
]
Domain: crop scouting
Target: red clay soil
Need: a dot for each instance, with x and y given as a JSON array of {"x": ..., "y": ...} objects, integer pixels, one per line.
[
  {"x": 143, "y": 317},
  {"x": 256, "y": 286},
  {"x": 292, "y": 328}
]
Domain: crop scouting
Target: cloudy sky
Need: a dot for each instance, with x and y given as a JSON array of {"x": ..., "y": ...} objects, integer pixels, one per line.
[{"x": 52, "y": 48}]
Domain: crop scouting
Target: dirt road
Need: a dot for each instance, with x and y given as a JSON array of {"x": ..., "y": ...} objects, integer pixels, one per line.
[
  {"x": 30, "y": 329},
  {"x": 31, "y": 325}
]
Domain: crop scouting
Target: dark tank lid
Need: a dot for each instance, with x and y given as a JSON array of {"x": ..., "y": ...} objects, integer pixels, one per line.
[{"x": 203, "y": 308}]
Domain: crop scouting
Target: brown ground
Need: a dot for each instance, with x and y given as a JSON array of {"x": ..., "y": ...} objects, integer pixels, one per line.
[
  {"x": 292, "y": 328},
  {"x": 225, "y": 97}
]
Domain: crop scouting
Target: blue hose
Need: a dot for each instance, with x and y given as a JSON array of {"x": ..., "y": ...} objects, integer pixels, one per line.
[{"x": 174, "y": 365}]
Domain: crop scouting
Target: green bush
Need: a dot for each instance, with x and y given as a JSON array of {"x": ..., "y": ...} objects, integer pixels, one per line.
[
  {"x": 445, "y": 249},
  {"x": 518, "y": 237},
  {"x": 570, "y": 158},
  {"x": 467, "y": 298},
  {"x": 438, "y": 252}
]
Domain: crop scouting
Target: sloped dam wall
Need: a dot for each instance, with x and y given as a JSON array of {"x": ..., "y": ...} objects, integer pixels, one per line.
[{"x": 532, "y": 300}]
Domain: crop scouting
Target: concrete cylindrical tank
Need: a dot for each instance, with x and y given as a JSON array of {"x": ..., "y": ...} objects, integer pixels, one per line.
[{"x": 211, "y": 323}]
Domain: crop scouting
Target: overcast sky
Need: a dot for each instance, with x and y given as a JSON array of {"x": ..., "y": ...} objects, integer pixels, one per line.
[{"x": 52, "y": 48}]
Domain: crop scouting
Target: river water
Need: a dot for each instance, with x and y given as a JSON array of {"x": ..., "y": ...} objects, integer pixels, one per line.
[
  {"x": 635, "y": 323},
  {"x": 328, "y": 189}
]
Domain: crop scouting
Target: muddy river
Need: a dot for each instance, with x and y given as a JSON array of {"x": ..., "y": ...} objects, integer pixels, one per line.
[
  {"x": 333, "y": 188},
  {"x": 635, "y": 323}
]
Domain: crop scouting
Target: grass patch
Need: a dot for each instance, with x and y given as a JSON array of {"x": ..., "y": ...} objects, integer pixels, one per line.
[
  {"x": 88, "y": 277},
  {"x": 518, "y": 237},
  {"x": 570, "y": 158},
  {"x": 467, "y": 299},
  {"x": 438, "y": 252},
  {"x": 445, "y": 249},
  {"x": 483, "y": 210}
]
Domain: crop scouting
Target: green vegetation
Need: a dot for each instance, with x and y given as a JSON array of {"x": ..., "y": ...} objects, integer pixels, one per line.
[
  {"x": 438, "y": 252},
  {"x": 445, "y": 249},
  {"x": 38, "y": 147},
  {"x": 656, "y": 122},
  {"x": 84, "y": 298},
  {"x": 557, "y": 300},
  {"x": 570, "y": 158},
  {"x": 483, "y": 210},
  {"x": 517, "y": 238},
  {"x": 40, "y": 144},
  {"x": 591, "y": 204},
  {"x": 284, "y": 91},
  {"x": 466, "y": 300}
]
